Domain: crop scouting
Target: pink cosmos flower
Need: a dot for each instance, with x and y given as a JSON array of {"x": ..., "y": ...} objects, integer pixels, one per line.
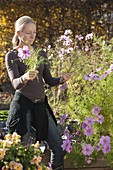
[
  {"x": 87, "y": 77},
  {"x": 87, "y": 149},
  {"x": 89, "y": 121},
  {"x": 106, "y": 73},
  {"x": 63, "y": 118},
  {"x": 96, "y": 110},
  {"x": 88, "y": 131},
  {"x": 98, "y": 147},
  {"x": 104, "y": 140},
  {"x": 99, "y": 118},
  {"x": 24, "y": 52},
  {"x": 84, "y": 125},
  {"x": 67, "y": 145},
  {"x": 88, "y": 160},
  {"x": 106, "y": 148}
]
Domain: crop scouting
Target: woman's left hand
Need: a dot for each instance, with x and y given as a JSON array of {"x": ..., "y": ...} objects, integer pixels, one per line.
[{"x": 65, "y": 77}]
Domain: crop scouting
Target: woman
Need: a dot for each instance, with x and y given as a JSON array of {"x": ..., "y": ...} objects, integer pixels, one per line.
[{"x": 29, "y": 104}]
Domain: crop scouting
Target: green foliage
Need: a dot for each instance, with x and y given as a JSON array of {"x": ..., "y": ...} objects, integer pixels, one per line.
[
  {"x": 52, "y": 19},
  {"x": 3, "y": 115},
  {"x": 81, "y": 93}
]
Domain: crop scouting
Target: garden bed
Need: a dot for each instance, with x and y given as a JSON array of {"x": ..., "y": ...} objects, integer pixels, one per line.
[{"x": 68, "y": 165}]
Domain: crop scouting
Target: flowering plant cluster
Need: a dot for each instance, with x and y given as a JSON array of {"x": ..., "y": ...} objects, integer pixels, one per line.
[
  {"x": 85, "y": 101},
  {"x": 31, "y": 58},
  {"x": 80, "y": 138},
  {"x": 16, "y": 156}
]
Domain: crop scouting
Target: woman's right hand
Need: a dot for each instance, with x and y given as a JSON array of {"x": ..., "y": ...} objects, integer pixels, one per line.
[{"x": 30, "y": 75}]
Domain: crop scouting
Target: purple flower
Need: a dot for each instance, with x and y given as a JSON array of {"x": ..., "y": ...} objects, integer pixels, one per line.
[
  {"x": 87, "y": 149},
  {"x": 78, "y": 132},
  {"x": 89, "y": 121},
  {"x": 67, "y": 145},
  {"x": 64, "y": 86},
  {"x": 50, "y": 165},
  {"x": 106, "y": 148},
  {"x": 106, "y": 73},
  {"x": 63, "y": 118},
  {"x": 86, "y": 48},
  {"x": 24, "y": 52},
  {"x": 88, "y": 131},
  {"x": 67, "y": 134},
  {"x": 87, "y": 77},
  {"x": 99, "y": 118},
  {"x": 79, "y": 37},
  {"x": 84, "y": 125},
  {"x": 67, "y": 32},
  {"x": 89, "y": 36},
  {"x": 96, "y": 110},
  {"x": 95, "y": 76},
  {"x": 98, "y": 147},
  {"x": 104, "y": 140},
  {"x": 88, "y": 160}
]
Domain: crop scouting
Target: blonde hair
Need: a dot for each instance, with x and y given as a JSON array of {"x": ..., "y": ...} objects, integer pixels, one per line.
[{"x": 19, "y": 25}]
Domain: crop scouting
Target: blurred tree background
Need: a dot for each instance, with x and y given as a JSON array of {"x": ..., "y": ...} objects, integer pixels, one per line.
[{"x": 53, "y": 17}]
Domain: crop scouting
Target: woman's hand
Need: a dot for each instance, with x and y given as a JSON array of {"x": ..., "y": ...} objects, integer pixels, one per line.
[
  {"x": 30, "y": 75},
  {"x": 65, "y": 77}
]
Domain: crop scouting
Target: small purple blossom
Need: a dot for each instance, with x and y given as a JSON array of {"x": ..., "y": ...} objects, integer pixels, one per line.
[
  {"x": 88, "y": 131},
  {"x": 104, "y": 140},
  {"x": 50, "y": 165},
  {"x": 88, "y": 160},
  {"x": 96, "y": 110},
  {"x": 89, "y": 36},
  {"x": 89, "y": 121},
  {"x": 24, "y": 52},
  {"x": 78, "y": 132},
  {"x": 67, "y": 32},
  {"x": 98, "y": 147},
  {"x": 86, "y": 48},
  {"x": 87, "y": 149},
  {"x": 67, "y": 145},
  {"x": 79, "y": 37},
  {"x": 66, "y": 133},
  {"x": 84, "y": 125},
  {"x": 87, "y": 77},
  {"x": 99, "y": 118},
  {"x": 106, "y": 148},
  {"x": 106, "y": 73},
  {"x": 92, "y": 76},
  {"x": 63, "y": 118},
  {"x": 68, "y": 50},
  {"x": 64, "y": 86}
]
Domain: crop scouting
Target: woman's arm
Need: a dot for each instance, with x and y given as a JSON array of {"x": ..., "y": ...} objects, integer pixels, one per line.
[
  {"x": 51, "y": 80},
  {"x": 13, "y": 72}
]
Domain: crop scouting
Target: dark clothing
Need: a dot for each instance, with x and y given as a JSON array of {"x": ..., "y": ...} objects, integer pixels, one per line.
[
  {"x": 19, "y": 107},
  {"x": 26, "y": 94},
  {"x": 32, "y": 89}
]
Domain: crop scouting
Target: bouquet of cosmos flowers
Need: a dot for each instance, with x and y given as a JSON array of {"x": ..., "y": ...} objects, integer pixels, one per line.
[{"x": 31, "y": 58}]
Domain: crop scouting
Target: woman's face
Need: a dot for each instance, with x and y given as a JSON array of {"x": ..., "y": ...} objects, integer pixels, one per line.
[{"x": 28, "y": 34}]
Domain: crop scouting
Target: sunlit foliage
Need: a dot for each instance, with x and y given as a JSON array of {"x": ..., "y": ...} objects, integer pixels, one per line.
[{"x": 53, "y": 18}]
